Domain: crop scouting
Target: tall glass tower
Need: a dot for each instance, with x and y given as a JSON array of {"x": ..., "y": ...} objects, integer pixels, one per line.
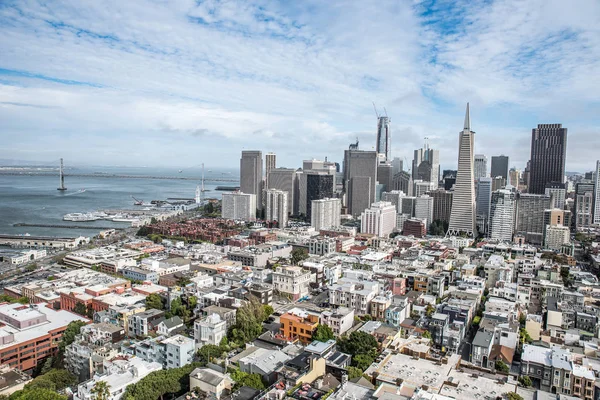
[{"x": 384, "y": 145}]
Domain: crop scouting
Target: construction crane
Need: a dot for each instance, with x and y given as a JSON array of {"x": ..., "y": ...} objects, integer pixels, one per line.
[{"x": 375, "y": 108}]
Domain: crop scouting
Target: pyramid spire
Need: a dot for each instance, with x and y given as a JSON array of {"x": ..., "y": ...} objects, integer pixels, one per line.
[{"x": 467, "y": 119}]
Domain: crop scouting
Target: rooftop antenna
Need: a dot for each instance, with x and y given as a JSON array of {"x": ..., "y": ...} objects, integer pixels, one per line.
[
  {"x": 61, "y": 177},
  {"x": 375, "y": 108}
]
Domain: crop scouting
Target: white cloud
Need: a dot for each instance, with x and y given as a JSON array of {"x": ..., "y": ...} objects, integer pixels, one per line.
[{"x": 181, "y": 81}]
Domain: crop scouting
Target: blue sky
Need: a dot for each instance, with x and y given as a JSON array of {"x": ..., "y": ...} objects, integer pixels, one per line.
[{"x": 183, "y": 82}]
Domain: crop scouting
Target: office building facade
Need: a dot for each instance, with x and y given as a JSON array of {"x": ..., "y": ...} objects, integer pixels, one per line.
[
  {"x": 379, "y": 219},
  {"x": 484, "y": 198},
  {"x": 360, "y": 175},
  {"x": 251, "y": 174},
  {"x": 502, "y": 214},
  {"x": 277, "y": 207},
  {"x": 597, "y": 194},
  {"x": 285, "y": 179},
  {"x": 426, "y": 165},
  {"x": 239, "y": 206},
  {"x": 442, "y": 204},
  {"x": 548, "y": 156},
  {"x": 558, "y": 192},
  {"x": 480, "y": 166},
  {"x": 530, "y": 216},
  {"x": 424, "y": 209},
  {"x": 384, "y": 139},
  {"x": 500, "y": 167}
]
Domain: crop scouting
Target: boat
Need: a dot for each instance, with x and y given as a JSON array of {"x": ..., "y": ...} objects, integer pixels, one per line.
[{"x": 83, "y": 217}]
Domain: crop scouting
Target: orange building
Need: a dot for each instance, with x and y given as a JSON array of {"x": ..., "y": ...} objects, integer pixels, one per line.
[
  {"x": 31, "y": 333},
  {"x": 299, "y": 324}
]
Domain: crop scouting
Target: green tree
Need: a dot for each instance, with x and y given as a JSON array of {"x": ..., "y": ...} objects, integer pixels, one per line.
[
  {"x": 208, "y": 352},
  {"x": 101, "y": 390},
  {"x": 429, "y": 310},
  {"x": 362, "y": 361},
  {"x": 323, "y": 333},
  {"x": 192, "y": 302},
  {"x": 248, "y": 324},
  {"x": 298, "y": 255},
  {"x": 426, "y": 335},
  {"x": 69, "y": 334},
  {"x": 80, "y": 309},
  {"x": 354, "y": 372},
  {"x": 513, "y": 396},
  {"x": 476, "y": 320},
  {"x": 525, "y": 380},
  {"x": 155, "y": 385},
  {"x": 154, "y": 301},
  {"x": 37, "y": 394},
  {"x": 501, "y": 366},
  {"x": 524, "y": 336},
  {"x": 268, "y": 310},
  {"x": 209, "y": 208}
]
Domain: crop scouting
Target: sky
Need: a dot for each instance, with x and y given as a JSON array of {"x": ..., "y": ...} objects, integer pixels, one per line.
[{"x": 184, "y": 82}]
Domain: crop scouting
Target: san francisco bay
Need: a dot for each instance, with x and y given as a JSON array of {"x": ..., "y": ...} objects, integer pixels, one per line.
[{"x": 33, "y": 199}]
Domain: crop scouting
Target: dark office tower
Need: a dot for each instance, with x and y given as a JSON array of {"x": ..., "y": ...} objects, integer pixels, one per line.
[
  {"x": 548, "y": 156},
  {"x": 500, "y": 167},
  {"x": 318, "y": 186},
  {"x": 251, "y": 173},
  {"x": 384, "y": 145},
  {"x": 403, "y": 181},
  {"x": 360, "y": 176},
  {"x": 385, "y": 176},
  {"x": 449, "y": 178},
  {"x": 442, "y": 204}
]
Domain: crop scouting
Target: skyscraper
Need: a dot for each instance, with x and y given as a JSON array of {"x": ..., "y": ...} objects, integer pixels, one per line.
[
  {"x": 462, "y": 217},
  {"x": 480, "y": 166},
  {"x": 270, "y": 164},
  {"x": 384, "y": 138},
  {"x": 325, "y": 213},
  {"x": 484, "y": 198},
  {"x": 285, "y": 179},
  {"x": 442, "y": 204},
  {"x": 558, "y": 192},
  {"x": 424, "y": 209},
  {"x": 385, "y": 176},
  {"x": 426, "y": 165},
  {"x": 360, "y": 175},
  {"x": 318, "y": 186},
  {"x": 548, "y": 156},
  {"x": 597, "y": 194},
  {"x": 397, "y": 165},
  {"x": 502, "y": 214},
  {"x": 239, "y": 206},
  {"x": 500, "y": 167},
  {"x": 277, "y": 207},
  {"x": 251, "y": 173}
]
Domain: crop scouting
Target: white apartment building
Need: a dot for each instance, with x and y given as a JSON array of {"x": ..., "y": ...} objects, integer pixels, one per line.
[
  {"x": 502, "y": 215},
  {"x": 379, "y": 219},
  {"x": 277, "y": 207},
  {"x": 339, "y": 320},
  {"x": 354, "y": 294},
  {"x": 210, "y": 330},
  {"x": 557, "y": 236},
  {"x": 325, "y": 213},
  {"x": 292, "y": 281},
  {"x": 321, "y": 246},
  {"x": 239, "y": 206},
  {"x": 424, "y": 208}
]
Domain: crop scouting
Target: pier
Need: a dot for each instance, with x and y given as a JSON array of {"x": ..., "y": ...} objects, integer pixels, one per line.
[
  {"x": 116, "y": 176},
  {"x": 98, "y": 228}
]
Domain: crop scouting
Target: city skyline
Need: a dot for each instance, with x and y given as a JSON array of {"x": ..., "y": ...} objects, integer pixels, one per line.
[{"x": 186, "y": 84}]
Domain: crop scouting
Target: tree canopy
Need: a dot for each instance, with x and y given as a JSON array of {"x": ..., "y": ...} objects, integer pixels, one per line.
[
  {"x": 248, "y": 322},
  {"x": 36, "y": 394},
  {"x": 298, "y": 255},
  {"x": 354, "y": 372},
  {"x": 362, "y": 346},
  {"x": 154, "y": 301},
  {"x": 323, "y": 333},
  {"x": 246, "y": 379},
  {"x": 80, "y": 309},
  {"x": 158, "y": 383}
]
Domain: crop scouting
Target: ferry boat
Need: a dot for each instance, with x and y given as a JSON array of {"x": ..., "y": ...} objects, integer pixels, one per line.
[{"x": 83, "y": 217}]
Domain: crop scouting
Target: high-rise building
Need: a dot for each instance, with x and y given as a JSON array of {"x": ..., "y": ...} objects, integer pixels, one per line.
[
  {"x": 384, "y": 136},
  {"x": 500, "y": 167},
  {"x": 449, "y": 178},
  {"x": 277, "y": 207},
  {"x": 480, "y": 166},
  {"x": 270, "y": 164},
  {"x": 408, "y": 205},
  {"x": 379, "y": 219},
  {"x": 385, "y": 176},
  {"x": 530, "y": 216},
  {"x": 239, "y": 206},
  {"x": 462, "y": 217},
  {"x": 484, "y": 198},
  {"x": 597, "y": 194},
  {"x": 498, "y": 183},
  {"x": 502, "y": 214},
  {"x": 325, "y": 213},
  {"x": 360, "y": 175},
  {"x": 426, "y": 165},
  {"x": 421, "y": 187},
  {"x": 251, "y": 174},
  {"x": 397, "y": 165},
  {"x": 556, "y": 236},
  {"x": 442, "y": 204},
  {"x": 403, "y": 181},
  {"x": 285, "y": 179},
  {"x": 424, "y": 209},
  {"x": 394, "y": 197},
  {"x": 558, "y": 192},
  {"x": 556, "y": 217},
  {"x": 318, "y": 186},
  {"x": 583, "y": 207},
  {"x": 514, "y": 177},
  {"x": 548, "y": 156}
]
